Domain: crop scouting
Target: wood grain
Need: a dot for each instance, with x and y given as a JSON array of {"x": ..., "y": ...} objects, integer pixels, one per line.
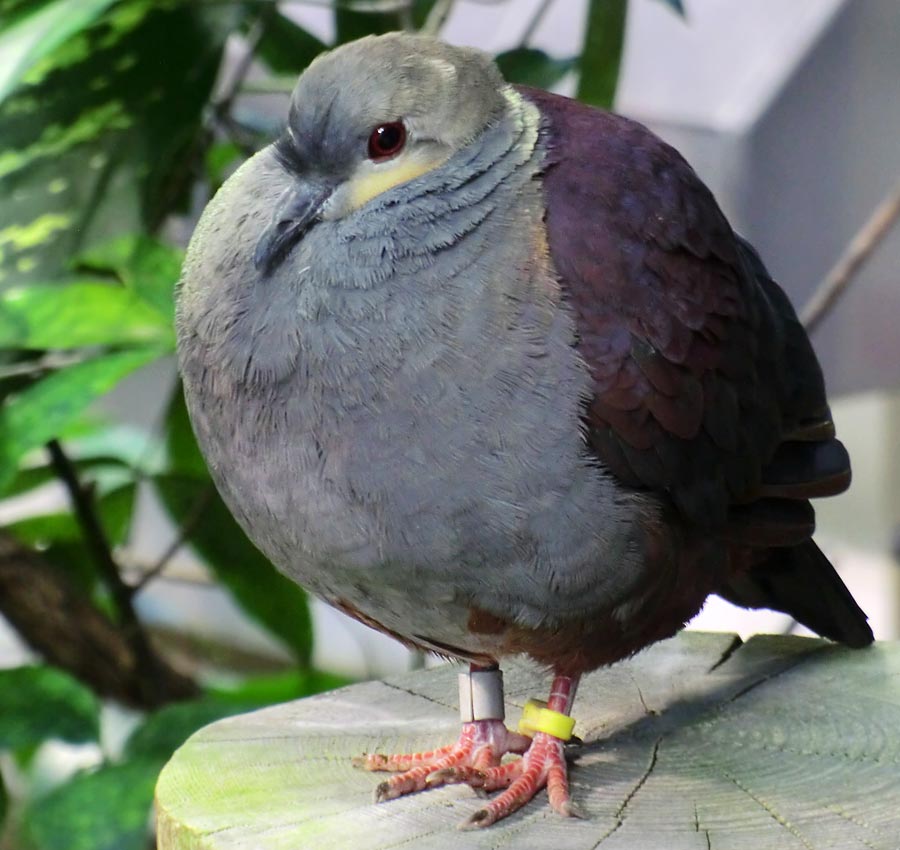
[{"x": 698, "y": 743}]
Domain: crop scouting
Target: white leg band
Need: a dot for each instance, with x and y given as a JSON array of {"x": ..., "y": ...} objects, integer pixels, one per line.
[{"x": 481, "y": 696}]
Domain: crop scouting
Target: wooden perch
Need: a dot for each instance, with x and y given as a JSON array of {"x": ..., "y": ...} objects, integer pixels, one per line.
[{"x": 699, "y": 743}]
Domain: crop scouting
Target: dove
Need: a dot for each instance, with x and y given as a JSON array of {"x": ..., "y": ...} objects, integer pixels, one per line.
[{"x": 489, "y": 370}]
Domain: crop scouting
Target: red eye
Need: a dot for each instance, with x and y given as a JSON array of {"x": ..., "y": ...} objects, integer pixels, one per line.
[{"x": 387, "y": 140}]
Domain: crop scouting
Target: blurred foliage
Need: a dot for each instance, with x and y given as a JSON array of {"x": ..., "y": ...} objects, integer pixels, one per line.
[
  {"x": 112, "y": 129},
  {"x": 41, "y": 702},
  {"x": 604, "y": 36}
]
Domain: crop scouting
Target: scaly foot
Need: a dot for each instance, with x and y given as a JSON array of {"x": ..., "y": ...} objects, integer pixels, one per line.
[
  {"x": 542, "y": 766},
  {"x": 481, "y": 746},
  {"x": 476, "y": 757}
]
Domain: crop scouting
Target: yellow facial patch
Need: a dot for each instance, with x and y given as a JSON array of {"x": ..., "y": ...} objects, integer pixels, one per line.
[{"x": 364, "y": 187}]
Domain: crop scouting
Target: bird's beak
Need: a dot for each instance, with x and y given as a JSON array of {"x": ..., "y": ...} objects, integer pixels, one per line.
[{"x": 295, "y": 212}]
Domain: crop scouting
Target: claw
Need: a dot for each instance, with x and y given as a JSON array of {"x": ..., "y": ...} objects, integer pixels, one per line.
[
  {"x": 475, "y": 759},
  {"x": 571, "y": 809},
  {"x": 481, "y": 745},
  {"x": 542, "y": 766},
  {"x": 479, "y": 819}
]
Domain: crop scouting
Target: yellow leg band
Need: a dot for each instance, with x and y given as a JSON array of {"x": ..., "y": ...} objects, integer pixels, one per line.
[{"x": 536, "y": 717}]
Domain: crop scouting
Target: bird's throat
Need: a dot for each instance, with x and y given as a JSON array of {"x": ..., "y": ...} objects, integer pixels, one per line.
[{"x": 368, "y": 185}]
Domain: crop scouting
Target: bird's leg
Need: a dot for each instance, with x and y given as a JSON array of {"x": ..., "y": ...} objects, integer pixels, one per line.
[
  {"x": 542, "y": 766},
  {"x": 482, "y": 743},
  {"x": 475, "y": 758}
]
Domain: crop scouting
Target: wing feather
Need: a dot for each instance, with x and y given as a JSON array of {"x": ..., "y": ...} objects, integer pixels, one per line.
[{"x": 701, "y": 371}]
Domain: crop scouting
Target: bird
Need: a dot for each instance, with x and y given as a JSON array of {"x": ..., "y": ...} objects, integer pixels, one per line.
[{"x": 489, "y": 370}]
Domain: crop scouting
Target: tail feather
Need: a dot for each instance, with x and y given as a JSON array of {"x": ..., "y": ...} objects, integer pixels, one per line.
[
  {"x": 801, "y": 581},
  {"x": 807, "y": 470}
]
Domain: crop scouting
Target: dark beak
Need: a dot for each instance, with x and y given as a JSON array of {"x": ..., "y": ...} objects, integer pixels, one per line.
[{"x": 295, "y": 212}]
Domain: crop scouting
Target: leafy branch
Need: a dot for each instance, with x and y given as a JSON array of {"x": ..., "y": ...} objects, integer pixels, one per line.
[
  {"x": 147, "y": 664},
  {"x": 105, "y": 152}
]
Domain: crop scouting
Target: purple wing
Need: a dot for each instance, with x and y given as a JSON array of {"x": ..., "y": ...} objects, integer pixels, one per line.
[{"x": 705, "y": 384}]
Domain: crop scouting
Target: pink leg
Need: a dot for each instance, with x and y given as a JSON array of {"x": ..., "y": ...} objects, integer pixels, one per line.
[
  {"x": 481, "y": 745},
  {"x": 475, "y": 759},
  {"x": 543, "y": 765}
]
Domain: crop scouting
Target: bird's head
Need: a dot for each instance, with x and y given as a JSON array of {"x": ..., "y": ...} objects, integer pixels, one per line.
[{"x": 369, "y": 116}]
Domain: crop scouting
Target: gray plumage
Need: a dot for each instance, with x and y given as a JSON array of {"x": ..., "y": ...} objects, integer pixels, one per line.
[
  {"x": 502, "y": 379},
  {"x": 489, "y": 370},
  {"x": 393, "y": 413}
]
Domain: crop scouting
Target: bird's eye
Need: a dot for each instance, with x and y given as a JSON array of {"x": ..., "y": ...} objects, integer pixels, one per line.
[{"x": 387, "y": 140}]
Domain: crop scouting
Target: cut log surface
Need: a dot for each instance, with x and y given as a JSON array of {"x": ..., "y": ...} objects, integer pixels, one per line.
[{"x": 698, "y": 743}]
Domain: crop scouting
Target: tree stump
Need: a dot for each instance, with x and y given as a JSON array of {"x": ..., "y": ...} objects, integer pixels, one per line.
[{"x": 698, "y": 743}]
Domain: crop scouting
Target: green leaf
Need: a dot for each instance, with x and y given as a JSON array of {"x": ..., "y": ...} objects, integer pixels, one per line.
[
  {"x": 183, "y": 454},
  {"x": 154, "y": 271},
  {"x": 102, "y": 138},
  {"x": 106, "y": 809},
  {"x": 602, "y": 52},
  {"x": 266, "y": 595},
  {"x": 149, "y": 267},
  {"x": 168, "y": 728},
  {"x": 116, "y": 512},
  {"x": 286, "y": 47},
  {"x": 31, "y": 36},
  {"x": 37, "y": 703},
  {"x": 79, "y": 314},
  {"x": 221, "y": 159},
  {"x": 103, "y": 474},
  {"x": 40, "y": 412},
  {"x": 72, "y": 558},
  {"x": 350, "y": 24},
  {"x": 42, "y": 529},
  {"x": 279, "y": 687},
  {"x": 531, "y": 67},
  {"x": 28, "y": 478},
  {"x": 128, "y": 445},
  {"x": 61, "y": 539},
  {"x": 115, "y": 509},
  {"x": 164, "y": 731},
  {"x": 108, "y": 455}
]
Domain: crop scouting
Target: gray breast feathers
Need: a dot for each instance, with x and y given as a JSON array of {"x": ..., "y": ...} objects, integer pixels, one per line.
[{"x": 394, "y": 415}]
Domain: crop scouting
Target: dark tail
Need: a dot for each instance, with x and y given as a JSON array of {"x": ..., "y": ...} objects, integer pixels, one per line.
[{"x": 800, "y": 581}]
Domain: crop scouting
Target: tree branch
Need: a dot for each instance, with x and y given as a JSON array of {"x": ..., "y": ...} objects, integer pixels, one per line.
[
  {"x": 148, "y": 665},
  {"x": 221, "y": 108},
  {"x": 57, "y": 620},
  {"x": 39, "y": 366},
  {"x": 257, "y": 31},
  {"x": 855, "y": 255},
  {"x": 535, "y": 22},
  {"x": 437, "y": 17},
  {"x": 194, "y": 515}
]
